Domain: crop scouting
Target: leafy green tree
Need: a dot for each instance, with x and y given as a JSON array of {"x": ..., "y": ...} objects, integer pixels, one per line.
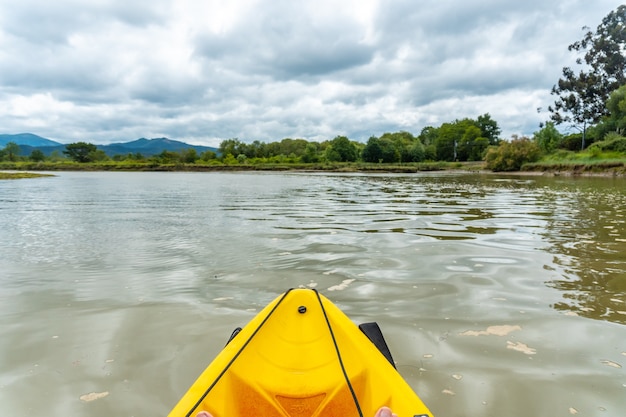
[
  {"x": 428, "y": 135},
  {"x": 231, "y": 146},
  {"x": 383, "y": 149},
  {"x": 402, "y": 142},
  {"x": 255, "y": 149},
  {"x": 80, "y": 151},
  {"x": 510, "y": 156},
  {"x": 37, "y": 156},
  {"x": 372, "y": 151},
  {"x": 290, "y": 146},
  {"x": 208, "y": 156},
  {"x": 451, "y": 136},
  {"x": 447, "y": 141},
  {"x": 332, "y": 155},
  {"x": 548, "y": 138},
  {"x": 465, "y": 150},
  {"x": 11, "y": 151},
  {"x": 167, "y": 157},
  {"x": 272, "y": 149},
  {"x": 188, "y": 156},
  {"x": 55, "y": 156},
  {"x": 616, "y": 106},
  {"x": 341, "y": 149},
  {"x": 480, "y": 148},
  {"x": 98, "y": 155},
  {"x": 577, "y": 102},
  {"x": 582, "y": 96},
  {"x": 417, "y": 152},
  {"x": 390, "y": 150},
  {"x": 430, "y": 152},
  {"x": 489, "y": 128},
  {"x": 311, "y": 153}
]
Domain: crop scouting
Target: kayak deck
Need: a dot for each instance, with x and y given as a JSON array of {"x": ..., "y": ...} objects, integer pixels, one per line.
[{"x": 300, "y": 357}]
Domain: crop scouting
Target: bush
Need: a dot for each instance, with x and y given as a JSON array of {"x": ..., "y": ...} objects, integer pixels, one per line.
[
  {"x": 594, "y": 151},
  {"x": 510, "y": 156},
  {"x": 612, "y": 142},
  {"x": 572, "y": 142},
  {"x": 548, "y": 138}
]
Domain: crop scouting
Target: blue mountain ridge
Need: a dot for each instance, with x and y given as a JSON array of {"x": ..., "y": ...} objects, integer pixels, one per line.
[
  {"x": 27, "y": 139},
  {"x": 147, "y": 147}
]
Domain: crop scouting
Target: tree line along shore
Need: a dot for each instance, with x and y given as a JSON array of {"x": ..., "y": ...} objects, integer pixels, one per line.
[
  {"x": 547, "y": 151},
  {"x": 467, "y": 144}
]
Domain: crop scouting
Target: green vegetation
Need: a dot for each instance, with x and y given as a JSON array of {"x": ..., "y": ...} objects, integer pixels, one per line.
[
  {"x": 582, "y": 96},
  {"x": 81, "y": 151},
  {"x": 461, "y": 144},
  {"x": 443, "y": 147},
  {"x": 20, "y": 175},
  {"x": 593, "y": 100},
  {"x": 510, "y": 156}
]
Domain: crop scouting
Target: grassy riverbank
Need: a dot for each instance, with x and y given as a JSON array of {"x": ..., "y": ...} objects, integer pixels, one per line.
[
  {"x": 580, "y": 163},
  {"x": 19, "y": 175},
  {"x": 574, "y": 166},
  {"x": 208, "y": 167}
]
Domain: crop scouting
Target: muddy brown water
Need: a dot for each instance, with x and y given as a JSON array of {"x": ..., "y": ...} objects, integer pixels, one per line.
[{"x": 498, "y": 296}]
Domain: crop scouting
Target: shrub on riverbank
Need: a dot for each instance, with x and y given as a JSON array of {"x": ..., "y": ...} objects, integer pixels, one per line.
[
  {"x": 510, "y": 156},
  {"x": 611, "y": 143},
  {"x": 608, "y": 156}
]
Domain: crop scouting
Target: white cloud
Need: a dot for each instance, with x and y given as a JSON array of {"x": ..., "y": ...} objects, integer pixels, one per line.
[{"x": 203, "y": 71}]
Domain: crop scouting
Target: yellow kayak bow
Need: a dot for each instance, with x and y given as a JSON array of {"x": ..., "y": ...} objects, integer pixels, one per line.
[{"x": 301, "y": 356}]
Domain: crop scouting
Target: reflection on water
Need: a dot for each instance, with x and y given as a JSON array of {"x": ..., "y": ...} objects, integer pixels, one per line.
[
  {"x": 116, "y": 289},
  {"x": 589, "y": 238}
]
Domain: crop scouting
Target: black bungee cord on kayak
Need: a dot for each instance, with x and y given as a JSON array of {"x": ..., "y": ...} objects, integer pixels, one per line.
[
  {"x": 343, "y": 368},
  {"x": 236, "y": 356},
  {"x": 301, "y": 310}
]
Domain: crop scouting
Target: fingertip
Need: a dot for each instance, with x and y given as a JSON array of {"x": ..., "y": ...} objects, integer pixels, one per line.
[{"x": 385, "y": 412}]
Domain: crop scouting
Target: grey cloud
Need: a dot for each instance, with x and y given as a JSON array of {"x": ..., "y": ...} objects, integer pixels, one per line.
[
  {"x": 123, "y": 69},
  {"x": 41, "y": 21},
  {"x": 283, "y": 43},
  {"x": 322, "y": 57},
  {"x": 163, "y": 88}
]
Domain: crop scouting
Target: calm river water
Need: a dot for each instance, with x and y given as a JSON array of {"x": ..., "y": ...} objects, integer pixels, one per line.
[{"x": 498, "y": 296}]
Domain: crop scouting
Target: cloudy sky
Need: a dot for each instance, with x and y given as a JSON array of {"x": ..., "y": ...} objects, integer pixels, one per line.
[{"x": 206, "y": 70}]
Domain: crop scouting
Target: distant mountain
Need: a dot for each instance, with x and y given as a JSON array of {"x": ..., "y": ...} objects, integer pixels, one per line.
[
  {"x": 149, "y": 143},
  {"x": 27, "y": 139},
  {"x": 147, "y": 147}
]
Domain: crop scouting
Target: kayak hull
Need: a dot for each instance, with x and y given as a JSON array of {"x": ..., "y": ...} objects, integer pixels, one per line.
[{"x": 300, "y": 357}]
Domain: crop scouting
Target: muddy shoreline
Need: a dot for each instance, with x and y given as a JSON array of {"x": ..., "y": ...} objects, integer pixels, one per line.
[{"x": 576, "y": 171}]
